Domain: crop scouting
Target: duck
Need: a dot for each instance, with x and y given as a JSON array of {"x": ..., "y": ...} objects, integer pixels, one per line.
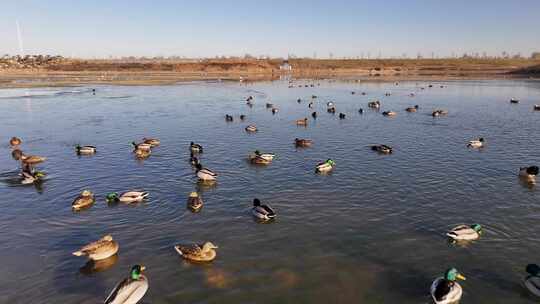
[
  {"x": 86, "y": 150},
  {"x": 195, "y": 148},
  {"x": 301, "y": 142},
  {"x": 465, "y": 233},
  {"x": 389, "y": 113},
  {"x": 85, "y": 199},
  {"x": 446, "y": 290},
  {"x": 101, "y": 249},
  {"x": 532, "y": 281},
  {"x": 331, "y": 110},
  {"x": 142, "y": 153},
  {"x": 529, "y": 173},
  {"x": 242, "y": 117},
  {"x": 228, "y": 117},
  {"x": 32, "y": 159},
  {"x": 194, "y": 160},
  {"x": 313, "y": 96},
  {"x": 341, "y": 116},
  {"x": 314, "y": 115},
  {"x": 194, "y": 202},
  {"x": 382, "y": 149},
  {"x": 267, "y": 156},
  {"x": 274, "y": 110},
  {"x": 127, "y": 197},
  {"x": 262, "y": 212},
  {"x": 153, "y": 142},
  {"x": 301, "y": 122},
  {"x": 15, "y": 141},
  {"x": 30, "y": 178},
  {"x": 353, "y": 92},
  {"x": 249, "y": 98},
  {"x": 412, "y": 94},
  {"x": 130, "y": 290},
  {"x": 330, "y": 104},
  {"x": 536, "y": 107},
  {"x": 412, "y": 109},
  {"x": 141, "y": 146},
  {"x": 299, "y": 100},
  {"x": 476, "y": 143},
  {"x": 361, "y": 111},
  {"x": 364, "y": 93},
  {"x": 251, "y": 128},
  {"x": 374, "y": 104},
  {"x": 439, "y": 113},
  {"x": 197, "y": 252},
  {"x": 514, "y": 100},
  {"x": 310, "y": 105},
  {"x": 269, "y": 105},
  {"x": 205, "y": 174},
  {"x": 325, "y": 166}
]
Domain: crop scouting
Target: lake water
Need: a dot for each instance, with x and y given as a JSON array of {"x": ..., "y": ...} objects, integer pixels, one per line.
[{"x": 372, "y": 231}]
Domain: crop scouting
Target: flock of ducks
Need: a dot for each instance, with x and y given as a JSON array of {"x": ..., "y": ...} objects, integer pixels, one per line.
[{"x": 132, "y": 289}]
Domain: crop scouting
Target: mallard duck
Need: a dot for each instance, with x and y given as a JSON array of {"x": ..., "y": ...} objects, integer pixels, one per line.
[
  {"x": 262, "y": 212},
  {"x": 536, "y": 107},
  {"x": 299, "y": 100},
  {"x": 412, "y": 109},
  {"x": 267, "y": 156},
  {"x": 195, "y": 148},
  {"x": 465, "y": 233},
  {"x": 389, "y": 113},
  {"x": 153, "y": 142},
  {"x": 127, "y": 197},
  {"x": 251, "y": 128},
  {"x": 30, "y": 178},
  {"x": 85, "y": 199},
  {"x": 301, "y": 142},
  {"x": 314, "y": 115},
  {"x": 382, "y": 149},
  {"x": 205, "y": 174},
  {"x": 142, "y": 153},
  {"x": 15, "y": 141},
  {"x": 141, "y": 146},
  {"x": 310, "y": 104},
  {"x": 274, "y": 110},
  {"x": 228, "y": 117},
  {"x": 532, "y": 281},
  {"x": 242, "y": 117},
  {"x": 197, "y": 252},
  {"x": 85, "y": 149},
  {"x": 374, "y": 104},
  {"x": 361, "y": 111},
  {"x": 529, "y": 173},
  {"x": 476, "y": 143},
  {"x": 439, "y": 113},
  {"x": 341, "y": 116},
  {"x": 130, "y": 290},
  {"x": 325, "y": 166},
  {"x": 331, "y": 110},
  {"x": 269, "y": 105},
  {"x": 514, "y": 100},
  {"x": 301, "y": 122},
  {"x": 99, "y": 250},
  {"x": 194, "y": 202},
  {"x": 32, "y": 159},
  {"x": 329, "y": 104},
  {"x": 446, "y": 290}
]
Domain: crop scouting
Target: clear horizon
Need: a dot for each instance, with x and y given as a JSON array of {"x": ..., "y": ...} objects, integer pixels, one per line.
[{"x": 99, "y": 29}]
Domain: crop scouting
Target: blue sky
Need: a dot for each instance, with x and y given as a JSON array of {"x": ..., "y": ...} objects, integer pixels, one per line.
[{"x": 205, "y": 29}]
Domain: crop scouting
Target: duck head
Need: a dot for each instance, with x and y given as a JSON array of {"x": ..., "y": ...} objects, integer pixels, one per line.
[
  {"x": 330, "y": 162},
  {"x": 194, "y": 194},
  {"x": 477, "y": 228},
  {"x": 453, "y": 275},
  {"x": 532, "y": 170},
  {"x": 198, "y": 166},
  {"x": 256, "y": 202},
  {"x": 136, "y": 271},
  {"x": 209, "y": 246},
  {"x": 112, "y": 197},
  {"x": 86, "y": 193},
  {"x": 533, "y": 269}
]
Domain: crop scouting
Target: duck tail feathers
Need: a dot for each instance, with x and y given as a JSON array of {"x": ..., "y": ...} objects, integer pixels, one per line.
[{"x": 78, "y": 253}]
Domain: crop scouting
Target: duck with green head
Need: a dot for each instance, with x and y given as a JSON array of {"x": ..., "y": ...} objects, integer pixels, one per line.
[
  {"x": 325, "y": 166},
  {"x": 445, "y": 290},
  {"x": 127, "y": 197},
  {"x": 465, "y": 233},
  {"x": 130, "y": 290},
  {"x": 85, "y": 150}
]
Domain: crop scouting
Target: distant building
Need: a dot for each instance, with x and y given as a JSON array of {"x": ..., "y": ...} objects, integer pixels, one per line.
[{"x": 285, "y": 66}]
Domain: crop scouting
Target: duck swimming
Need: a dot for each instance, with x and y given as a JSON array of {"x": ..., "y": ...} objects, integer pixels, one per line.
[
  {"x": 195, "y": 148},
  {"x": 266, "y": 156},
  {"x": 446, "y": 290},
  {"x": 514, "y": 100},
  {"x": 269, "y": 105},
  {"x": 465, "y": 233},
  {"x": 374, "y": 104},
  {"x": 299, "y": 100},
  {"x": 32, "y": 159},
  {"x": 100, "y": 249},
  {"x": 382, "y": 149},
  {"x": 228, "y": 117},
  {"x": 536, "y": 107},
  {"x": 242, "y": 117},
  {"x": 31, "y": 177},
  {"x": 141, "y": 146},
  {"x": 197, "y": 252},
  {"x": 361, "y": 111},
  {"x": 310, "y": 105},
  {"x": 15, "y": 141},
  {"x": 301, "y": 142},
  {"x": 262, "y": 212},
  {"x": 476, "y": 143},
  {"x": 194, "y": 202},
  {"x": 301, "y": 122},
  {"x": 412, "y": 109},
  {"x": 325, "y": 166},
  {"x": 529, "y": 173},
  {"x": 274, "y": 110},
  {"x": 153, "y": 142},
  {"x": 130, "y": 290},
  {"x": 127, "y": 197},
  {"x": 341, "y": 116},
  {"x": 85, "y": 150},
  {"x": 532, "y": 281},
  {"x": 389, "y": 113},
  {"x": 251, "y": 128},
  {"x": 437, "y": 113},
  {"x": 85, "y": 199},
  {"x": 314, "y": 115},
  {"x": 205, "y": 174}
]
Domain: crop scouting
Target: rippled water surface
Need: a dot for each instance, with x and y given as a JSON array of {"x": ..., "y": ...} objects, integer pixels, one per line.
[{"x": 372, "y": 231}]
